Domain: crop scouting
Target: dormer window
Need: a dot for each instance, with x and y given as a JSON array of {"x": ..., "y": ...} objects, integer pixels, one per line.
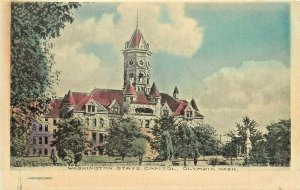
[
  {"x": 166, "y": 113},
  {"x": 115, "y": 110},
  {"x": 91, "y": 108},
  {"x": 189, "y": 114}
]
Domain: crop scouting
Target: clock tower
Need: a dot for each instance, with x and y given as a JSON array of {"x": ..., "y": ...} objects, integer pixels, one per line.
[{"x": 137, "y": 62}]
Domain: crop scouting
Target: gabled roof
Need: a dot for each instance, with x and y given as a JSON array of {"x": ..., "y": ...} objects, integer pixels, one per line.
[
  {"x": 103, "y": 97},
  {"x": 154, "y": 91}
]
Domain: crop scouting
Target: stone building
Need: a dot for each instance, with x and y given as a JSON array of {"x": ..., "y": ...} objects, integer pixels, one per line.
[{"x": 139, "y": 99}]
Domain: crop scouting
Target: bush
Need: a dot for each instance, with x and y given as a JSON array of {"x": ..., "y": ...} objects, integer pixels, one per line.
[{"x": 213, "y": 161}]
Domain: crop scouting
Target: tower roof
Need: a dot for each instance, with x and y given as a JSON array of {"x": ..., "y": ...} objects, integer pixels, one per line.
[
  {"x": 176, "y": 90},
  {"x": 154, "y": 91},
  {"x": 137, "y": 40},
  {"x": 70, "y": 99},
  {"x": 129, "y": 89}
]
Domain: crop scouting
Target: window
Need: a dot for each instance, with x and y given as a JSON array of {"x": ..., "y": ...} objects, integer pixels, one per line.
[
  {"x": 46, "y": 127},
  {"x": 34, "y": 140},
  {"x": 46, "y": 140},
  {"x": 46, "y": 151},
  {"x": 166, "y": 113},
  {"x": 91, "y": 108},
  {"x": 189, "y": 114},
  {"x": 87, "y": 121},
  {"x": 115, "y": 110},
  {"x": 147, "y": 123},
  {"x": 54, "y": 122},
  {"x": 94, "y": 137},
  {"x": 46, "y": 119},
  {"x": 34, "y": 151},
  {"x": 111, "y": 122},
  {"x": 40, "y": 127},
  {"x": 94, "y": 122},
  {"x": 40, "y": 151},
  {"x": 101, "y": 122},
  {"x": 101, "y": 138},
  {"x": 40, "y": 140}
]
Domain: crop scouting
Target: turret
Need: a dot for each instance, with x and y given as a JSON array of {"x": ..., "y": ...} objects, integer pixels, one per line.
[
  {"x": 129, "y": 93},
  {"x": 70, "y": 101},
  {"x": 176, "y": 93},
  {"x": 154, "y": 94}
]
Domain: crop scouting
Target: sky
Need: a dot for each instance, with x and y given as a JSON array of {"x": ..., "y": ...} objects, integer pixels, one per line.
[{"x": 233, "y": 59}]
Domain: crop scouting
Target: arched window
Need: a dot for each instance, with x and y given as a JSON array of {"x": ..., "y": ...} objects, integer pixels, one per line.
[
  {"x": 40, "y": 127},
  {"x": 141, "y": 77},
  {"x": 46, "y": 127},
  {"x": 101, "y": 122}
]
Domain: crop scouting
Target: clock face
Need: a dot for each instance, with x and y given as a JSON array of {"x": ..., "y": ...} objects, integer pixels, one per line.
[
  {"x": 130, "y": 62},
  {"x": 141, "y": 63}
]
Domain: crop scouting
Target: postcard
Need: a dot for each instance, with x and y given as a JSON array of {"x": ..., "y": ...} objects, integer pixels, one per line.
[{"x": 150, "y": 95}]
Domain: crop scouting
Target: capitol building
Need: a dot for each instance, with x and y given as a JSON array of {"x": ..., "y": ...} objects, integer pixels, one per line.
[{"x": 139, "y": 98}]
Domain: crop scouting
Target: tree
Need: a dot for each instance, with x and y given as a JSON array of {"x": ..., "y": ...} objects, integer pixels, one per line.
[
  {"x": 278, "y": 142},
  {"x": 230, "y": 150},
  {"x": 208, "y": 140},
  {"x": 72, "y": 140},
  {"x": 32, "y": 76},
  {"x": 162, "y": 141},
  {"x": 185, "y": 142},
  {"x": 53, "y": 157},
  {"x": 121, "y": 135},
  {"x": 138, "y": 148},
  {"x": 239, "y": 134},
  {"x": 258, "y": 154}
]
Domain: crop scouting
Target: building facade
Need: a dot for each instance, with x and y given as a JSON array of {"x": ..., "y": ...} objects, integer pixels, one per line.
[{"x": 139, "y": 99}]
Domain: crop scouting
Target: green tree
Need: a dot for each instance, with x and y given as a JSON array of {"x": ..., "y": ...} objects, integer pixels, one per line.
[
  {"x": 120, "y": 137},
  {"x": 138, "y": 149},
  {"x": 238, "y": 135},
  {"x": 162, "y": 141},
  {"x": 208, "y": 140},
  {"x": 72, "y": 140},
  {"x": 32, "y": 75},
  {"x": 278, "y": 143},
  {"x": 258, "y": 154},
  {"x": 185, "y": 142},
  {"x": 230, "y": 150}
]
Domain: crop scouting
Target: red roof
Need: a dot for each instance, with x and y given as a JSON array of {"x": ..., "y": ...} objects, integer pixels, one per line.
[
  {"x": 103, "y": 97},
  {"x": 106, "y": 96},
  {"x": 154, "y": 91},
  {"x": 129, "y": 89},
  {"x": 135, "y": 39},
  {"x": 141, "y": 99},
  {"x": 54, "y": 108}
]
